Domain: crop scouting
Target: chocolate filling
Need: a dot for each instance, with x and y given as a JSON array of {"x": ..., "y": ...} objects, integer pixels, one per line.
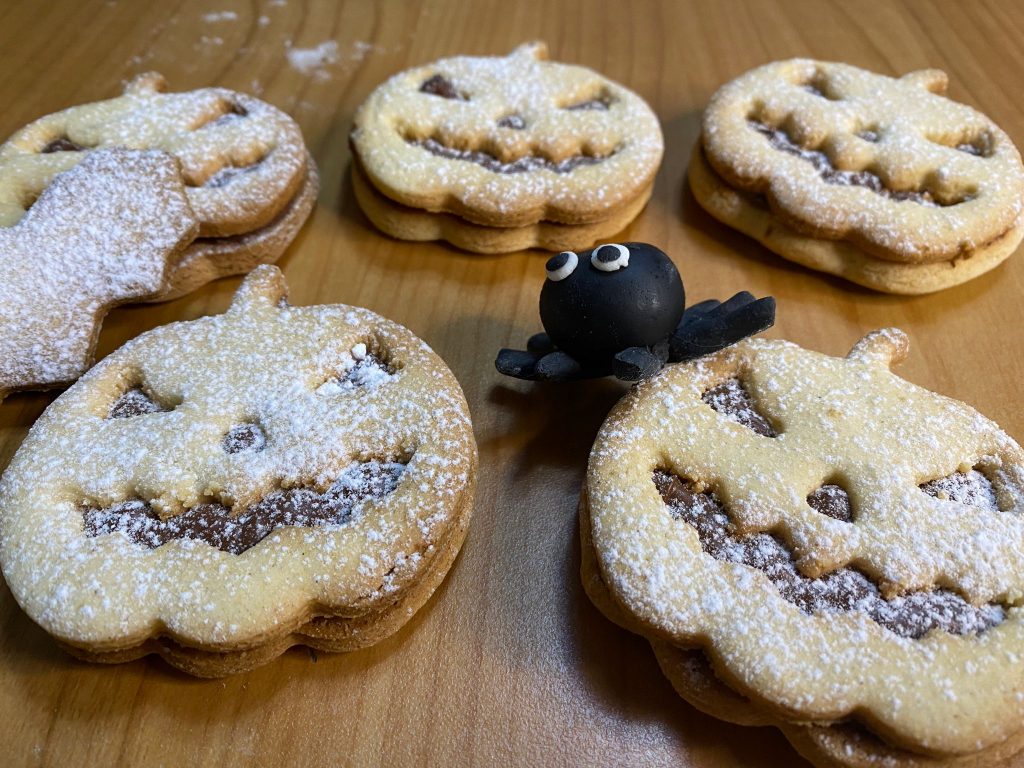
[
  {"x": 134, "y": 402},
  {"x": 833, "y": 501},
  {"x": 492, "y": 163},
  {"x": 245, "y": 438},
  {"x": 971, "y": 488},
  {"x": 62, "y": 144},
  {"x": 911, "y": 615},
  {"x": 214, "y": 524},
  {"x": 781, "y": 141},
  {"x": 439, "y": 85},
  {"x": 512, "y": 121},
  {"x": 228, "y": 174},
  {"x": 601, "y": 103},
  {"x": 732, "y": 400}
]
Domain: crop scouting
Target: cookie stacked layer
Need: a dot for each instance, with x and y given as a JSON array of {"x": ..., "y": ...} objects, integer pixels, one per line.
[
  {"x": 219, "y": 490},
  {"x": 816, "y": 544},
  {"x": 882, "y": 181},
  {"x": 497, "y": 154},
  {"x": 143, "y": 197}
]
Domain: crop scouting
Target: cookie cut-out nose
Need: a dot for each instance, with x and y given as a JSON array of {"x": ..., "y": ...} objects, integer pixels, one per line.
[{"x": 245, "y": 438}]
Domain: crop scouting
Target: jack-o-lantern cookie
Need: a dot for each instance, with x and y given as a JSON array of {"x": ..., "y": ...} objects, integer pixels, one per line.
[
  {"x": 842, "y": 546},
  {"x": 218, "y": 490},
  {"x": 881, "y": 180},
  {"x": 525, "y": 146}
]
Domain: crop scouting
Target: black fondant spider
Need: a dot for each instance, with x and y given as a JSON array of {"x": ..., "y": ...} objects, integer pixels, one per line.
[{"x": 619, "y": 310}]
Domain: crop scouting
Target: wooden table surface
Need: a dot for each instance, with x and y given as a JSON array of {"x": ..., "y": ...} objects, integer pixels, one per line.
[{"x": 508, "y": 664}]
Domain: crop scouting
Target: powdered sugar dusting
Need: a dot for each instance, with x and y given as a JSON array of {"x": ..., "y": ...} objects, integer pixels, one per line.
[
  {"x": 102, "y": 234},
  {"x": 824, "y": 615},
  {"x": 358, "y": 488},
  {"x": 509, "y": 140}
]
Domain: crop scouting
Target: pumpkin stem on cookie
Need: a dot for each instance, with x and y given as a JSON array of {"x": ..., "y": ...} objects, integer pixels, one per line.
[{"x": 886, "y": 346}]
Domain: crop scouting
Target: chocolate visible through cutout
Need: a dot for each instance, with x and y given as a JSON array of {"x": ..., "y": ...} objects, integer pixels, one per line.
[
  {"x": 731, "y": 399},
  {"x": 439, "y": 85},
  {"x": 833, "y": 501},
  {"x": 911, "y": 615},
  {"x": 781, "y": 141},
  {"x": 971, "y": 488},
  {"x": 134, "y": 402},
  {"x": 62, "y": 144},
  {"x": 214, "y": 524},
  {"x": 245, "y": 438},
  {"x": 521, "y": 165}
]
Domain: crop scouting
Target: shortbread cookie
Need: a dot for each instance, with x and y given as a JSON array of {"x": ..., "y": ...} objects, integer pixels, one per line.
[
  {"x": 243, "y": 160},
  {"x": 841, "y": 543},
  {"x": 509, "y": 141},
  {"x": 840, "y": 745},
  {"x": 105, "y": 233},
  {"x": 837, "y": 745},
  {"x": 220, "y": 489},
  {"x": 211, "y": 258},
  {"x": 889, "y": 165},
  {"x": 750, "y": 214},
  {"x": 407, "y": 223}
]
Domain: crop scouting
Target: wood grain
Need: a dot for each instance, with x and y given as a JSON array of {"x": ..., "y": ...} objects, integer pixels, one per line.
[{"x": 508, "y": 664}]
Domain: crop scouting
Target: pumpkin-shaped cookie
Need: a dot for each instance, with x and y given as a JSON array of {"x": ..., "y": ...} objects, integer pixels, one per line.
[
  {"x": 218, "y": 490},
  {"x": 508, "y": 141},
  {"x": 840, "y": 543}
]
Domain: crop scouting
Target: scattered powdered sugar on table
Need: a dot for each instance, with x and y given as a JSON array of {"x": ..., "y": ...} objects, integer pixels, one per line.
[
  {"x": 314, "y": 61},
  {"x": 219, "y": 16}
]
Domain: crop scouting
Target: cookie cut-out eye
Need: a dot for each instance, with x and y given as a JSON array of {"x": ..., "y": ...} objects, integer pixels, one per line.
[
  {"x": 365, "y": 367},
  {"x": 561, "y": 265},
  {"x": 228, "y": 174},
  {"x": 135, "y": 402},
  {"x": 62, "y": 144},
  {"x": 245, "y": 438},
  {"x": 972, "y": 488},
  {"x": 731, "y": 399},
  {"x": 439, "y": 85},
  {"x": 610, "y": 257},
  {"x": 832, "y": 500},
  {"x": 224, "y": 112}
]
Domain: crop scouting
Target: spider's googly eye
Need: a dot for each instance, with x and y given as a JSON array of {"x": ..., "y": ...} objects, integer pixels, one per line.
[
  {"x": 561, "y": 265},
  {"x": 610, "y": 257}
]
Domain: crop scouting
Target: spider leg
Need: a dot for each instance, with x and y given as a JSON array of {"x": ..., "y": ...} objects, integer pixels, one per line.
[
  {"x": 710, "y": 326},
  {"x": 536, "y": 366},
  {"x": 637, "y": 363}
]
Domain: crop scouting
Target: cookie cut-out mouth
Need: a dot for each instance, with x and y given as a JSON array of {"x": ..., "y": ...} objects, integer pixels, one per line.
[
  {"x": 731, "y": 399},
  {"x": 520, "y": 165},
  {"x": 783, "y": 142},
  {"x": 214, "y": 524},
  {"x": 911, "y": 615}
]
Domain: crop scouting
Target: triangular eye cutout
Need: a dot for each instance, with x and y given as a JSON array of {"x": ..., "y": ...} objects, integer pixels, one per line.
[
  {"x": 731, "y": 399},
  {"x": 439, "y": 85},
  {"x": 135, "y": 402},
  {"x": 972, "y": 488}
]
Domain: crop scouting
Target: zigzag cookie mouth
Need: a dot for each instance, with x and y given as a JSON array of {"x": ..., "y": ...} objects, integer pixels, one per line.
[
  {"x": 214, "y": 524},
  {"x": 520, "y": 165},
  {"x": 780, "y": 140},
  {"x": 912, "y": 615}
]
